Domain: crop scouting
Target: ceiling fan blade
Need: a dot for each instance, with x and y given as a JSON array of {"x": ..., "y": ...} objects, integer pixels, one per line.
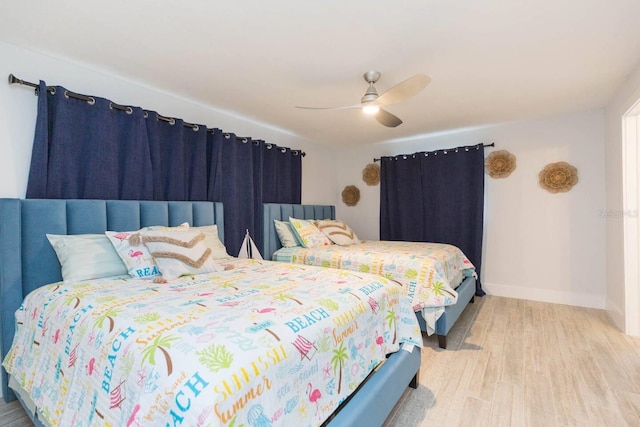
[
  {"x": 387, "y": 119},
  {"x": 331, "y": 108},
  {"x": 404, "y": 90}
]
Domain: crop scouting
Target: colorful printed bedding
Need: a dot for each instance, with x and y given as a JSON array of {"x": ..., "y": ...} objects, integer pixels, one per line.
[
  {"x": 428, "y": 271},
  {"x": 261, "y": 344}
]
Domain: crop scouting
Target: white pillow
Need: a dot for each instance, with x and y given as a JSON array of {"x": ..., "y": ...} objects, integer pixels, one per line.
[
  {"x": 308, "y": 234},
  {"x": 134, "y": 254},
  {"x": 337, "y": 231},
  {"x": 86, "y": 256},
  {"x": 285, "y": 234},
  {"x": 212, "y": 241},
  {"x": 179, "y": 252}
]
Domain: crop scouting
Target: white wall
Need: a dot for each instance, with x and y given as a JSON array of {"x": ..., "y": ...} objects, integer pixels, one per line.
[
  {"x": 624, "y": 99},
  {"x": 538, "y": 245},
  {"x": 18, "y": 115}
]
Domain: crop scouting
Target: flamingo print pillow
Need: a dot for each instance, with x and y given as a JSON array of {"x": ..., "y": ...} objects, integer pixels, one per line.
[
  {"x": 133, "y": 252},
  {"x": 86, "y": 256}
]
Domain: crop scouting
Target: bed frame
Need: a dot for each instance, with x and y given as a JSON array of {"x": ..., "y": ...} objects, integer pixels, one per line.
[
  {"x": 27, "y": 262},
  {"x": 271, "y": 243}
]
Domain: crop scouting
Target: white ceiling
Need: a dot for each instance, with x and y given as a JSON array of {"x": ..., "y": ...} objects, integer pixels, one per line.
[{"x": 490, "y": 61}]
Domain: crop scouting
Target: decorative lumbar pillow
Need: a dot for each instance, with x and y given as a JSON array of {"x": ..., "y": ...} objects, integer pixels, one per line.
[
  {"x": 308, "y": 234},
  {"x": 338, "y": 232},
  {"x": 212, "y": 241},
  {"x": 286, "y": 234},
  {"x": 86, "y": 256},
  {"x": 179, "y": 252},
  {"x": 136, "y": 257}
]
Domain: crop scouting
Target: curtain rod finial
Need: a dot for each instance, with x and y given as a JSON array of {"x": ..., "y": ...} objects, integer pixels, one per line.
[{"x": 13, "y": 79}]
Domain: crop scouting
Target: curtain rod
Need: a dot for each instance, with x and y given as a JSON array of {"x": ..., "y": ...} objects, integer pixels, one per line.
[
  {"x": 91, "y": 100},
  {"x": 493, "y": 144}
]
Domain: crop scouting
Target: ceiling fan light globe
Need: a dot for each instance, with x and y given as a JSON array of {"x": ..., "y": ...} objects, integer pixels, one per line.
[{"x": 370, "y": 109}]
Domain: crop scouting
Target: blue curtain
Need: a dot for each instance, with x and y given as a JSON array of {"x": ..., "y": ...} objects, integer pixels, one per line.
[
  {"x": 215, "y": 138},
  {"x": 179, "y": 159},
  {"x": 92, "y": 149},
  {"x": 435, "y": 197},
  {"x": 398, "y": 176},
  {"x": 88, "y": 150},
  {"x": 282, "y": 174}
]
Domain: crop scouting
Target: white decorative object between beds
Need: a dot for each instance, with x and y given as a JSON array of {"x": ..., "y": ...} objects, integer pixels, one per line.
[
  {"x": 244, "y": 342},
  {"x": 439, "y": 278}
]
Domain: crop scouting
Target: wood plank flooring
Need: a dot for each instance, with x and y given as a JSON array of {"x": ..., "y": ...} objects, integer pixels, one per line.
[
  {"x": 12, "y": 415},
  {"x": 522, "y": 363},
  {"x": 518, "y": 363}
]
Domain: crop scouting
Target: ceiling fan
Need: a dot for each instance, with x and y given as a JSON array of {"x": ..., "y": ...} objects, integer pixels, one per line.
[{"x": 372, "y": 103}]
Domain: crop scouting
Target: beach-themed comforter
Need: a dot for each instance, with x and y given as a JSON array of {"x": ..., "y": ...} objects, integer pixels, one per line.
[
  {"x": 261, "y": 344},
  {"x": 428, "y": 271}
]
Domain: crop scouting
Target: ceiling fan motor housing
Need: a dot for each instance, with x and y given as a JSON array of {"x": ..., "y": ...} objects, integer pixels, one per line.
[
  {"x": 371, "y": 94},
  {"x": 371, "y": 76}
]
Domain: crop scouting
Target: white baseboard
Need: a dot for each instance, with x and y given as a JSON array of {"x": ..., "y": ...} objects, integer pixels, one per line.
[
  {"x": 616, "y": 314},
  {"x": 545, "y": 295}
]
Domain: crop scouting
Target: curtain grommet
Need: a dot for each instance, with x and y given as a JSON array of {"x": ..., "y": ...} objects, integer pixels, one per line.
[
  {"x": 52, "y": 91},
  {"x": 195, "y": 128}
]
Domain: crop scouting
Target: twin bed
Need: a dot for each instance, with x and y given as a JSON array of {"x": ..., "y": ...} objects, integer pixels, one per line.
[
  {"x": 252, "y": 342},
  {"x": 430, "y": 271}
]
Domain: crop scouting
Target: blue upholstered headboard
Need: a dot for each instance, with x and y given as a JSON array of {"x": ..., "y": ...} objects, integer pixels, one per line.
[
  {"x": 282, "y": 212},
  {"x": 27, "y": 260}
]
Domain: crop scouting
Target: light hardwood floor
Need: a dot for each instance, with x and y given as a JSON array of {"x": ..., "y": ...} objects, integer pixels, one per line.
[
  {"x": 12, "y": 415},
  {"x": 515, "y": 363},
  {"x": 519, "y": 363}
]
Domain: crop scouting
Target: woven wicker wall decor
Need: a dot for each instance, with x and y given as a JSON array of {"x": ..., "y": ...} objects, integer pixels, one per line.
[
  {"x": 371, "y": 174},
  {"x": 351, "y": 195},
  {"x": 558, "y": 177},
  {"x": 500, "y": 164}
]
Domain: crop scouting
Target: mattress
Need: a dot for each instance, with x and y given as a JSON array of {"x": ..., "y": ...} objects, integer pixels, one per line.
[{"x": 261, "y": 343}]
